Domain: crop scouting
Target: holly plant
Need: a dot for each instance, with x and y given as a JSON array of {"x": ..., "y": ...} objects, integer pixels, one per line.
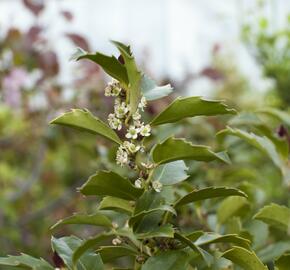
[{"x": 142, "y": 198}]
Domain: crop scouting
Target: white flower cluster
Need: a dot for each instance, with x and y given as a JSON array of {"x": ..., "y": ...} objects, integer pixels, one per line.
[
  {"x": 135, "y": 131},
  {"x": 113, "y": 89},
  {"x": 120, "y": 111}
]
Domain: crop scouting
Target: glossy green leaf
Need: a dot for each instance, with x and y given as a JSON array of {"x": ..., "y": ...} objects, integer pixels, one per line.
[
  {"x": 86, "y": 121},
  {"x": 151, "y": 91},
  {"x": 251, "y": 119},
  {"x": 193, "y": 236},
  {"x": 148, "y": 200},
  {"x": 24, "y": 261},
  {"x": 96, "y": 219},
  {"x": 110, "y": 184},
  {"x": 208, "y": 193},
  {"x": 178, "y": 149},
  {"x": 148, "y": 211},
  {"x": 109, "y": 253},
  {"x": 283, "y": 262},
  {"x": 138, "y": 217},
  {"x": 261, "y": 143},
  {"x": 171, "y": 173},
  {"x": 86, "y": 245},
  {"x": 169, "y": 260},
  {"x": 244, "y": 258},
  {"x": 116, "y": 204},
  {"x": 211, "y": 238},
  {"x": 187, "y": 242},
  {"x": 134, "y": 75},
  {"x": 109, "y": 64},
  {"x": 65, "y": 248},
  {"x": 275, "y": 215},
  {"x": 231, "y": 207},
  {"x": 273, "y": 251},
  {"x": 160, "y": 231},
  {"x": 190, "y": 107},
  {"x": 280, "y": 115}
]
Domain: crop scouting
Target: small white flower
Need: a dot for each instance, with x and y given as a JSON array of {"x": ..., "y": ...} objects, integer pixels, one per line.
[
  {"x": 138, "y": 183},
  {"x": 136, "y": 115},
  {"x": 142, "y": 104},
  {"x": 116, "y": 241},
  {"x": 114, "y": 122},
  {"x": 157, "y": 186},
  {"x": 132, "y": 132},
  {"x": 122, "y": 157},
  {"x": 131, "y": 147},
  {"x": 145, "y": 130},
  {"x": 115, "y": 225},
  {"x": 108, "y": 90},
  {"x": 121, "y": 109},
  {"x": 112, "y": 89}
]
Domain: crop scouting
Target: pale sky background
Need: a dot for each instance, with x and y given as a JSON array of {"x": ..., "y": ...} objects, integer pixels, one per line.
[{"x": 178, "y": 34}]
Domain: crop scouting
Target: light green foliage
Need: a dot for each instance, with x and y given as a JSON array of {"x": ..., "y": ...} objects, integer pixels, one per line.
[
  {"x": 26, "y": 262},
  {"x": 84, "y": 120},
  {"x": 97, "y": 219},
  {"x": 151, "y": 91},
  {"x": 275, "y": 215},
  {"x": 244, "y": 258},
  {"x": 178, "y": 149},
  {"x": 189, "y": 107}
]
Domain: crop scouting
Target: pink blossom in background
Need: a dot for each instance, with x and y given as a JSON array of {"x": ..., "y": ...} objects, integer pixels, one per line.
[{"x": 12, "y": 85}]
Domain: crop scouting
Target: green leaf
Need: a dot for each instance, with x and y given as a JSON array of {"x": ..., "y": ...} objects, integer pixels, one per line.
[
  {"x": 250, "y": 119},
  {"x": 96, "y": 219},
  {"x": 211, "y": 238},
  {"x": 148, "y": 212},
  {"x": 278, "y": 114},
  {"x": 188, "y": 242},
  {"x": 25, "y": 262},
  {"x": 193, "y": 236},
  {"x": 208, "y": 193},
  {"x": 230, "y": 207},
  {"x": 151, "y": 91},
  {"x": 110, "y": 184},
  {"x": 178, "y": 149},
  {"x": 190, "y": 107},
  {"x": 273, "y": 251},
  {"x": 83, "y": 247},
  {"x": 116, "y": 204},
  {"x": 244, "y": 258},
  {"x": 171, "y": 173},
  {"x": 109, "y": 253},
  {"x": 275, "y": 215},
  {"x": 134, "y": 76},
  {"x": 283, "y": 262},
  {"x": 109, "y": 64},
  {"x": 65, "y": 248},
  {"x": 162, "y": 231},
  {"x": 169, "y": 260},
  {"x": 137, "y": 218},
  {"x": 85, "y": 121},
  {"x": 149, "y": 200},
  {"x": 261, "y": 143}
]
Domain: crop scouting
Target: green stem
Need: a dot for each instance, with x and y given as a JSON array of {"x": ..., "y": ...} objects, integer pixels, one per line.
[
  {"x": 166, "y": 218},
  {"x": 137, "y": 266}
]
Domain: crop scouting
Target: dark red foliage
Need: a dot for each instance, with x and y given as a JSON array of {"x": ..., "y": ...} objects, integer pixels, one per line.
[
  {"x": 36, "y": 7},
  {"x": 79, "y": 41},
  {"x": 58, "y": 262},
  {"x": 67, "y": 15}
]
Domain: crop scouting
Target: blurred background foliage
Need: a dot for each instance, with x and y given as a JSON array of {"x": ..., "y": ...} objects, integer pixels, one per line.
[{"x": 41, "y": 166}]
